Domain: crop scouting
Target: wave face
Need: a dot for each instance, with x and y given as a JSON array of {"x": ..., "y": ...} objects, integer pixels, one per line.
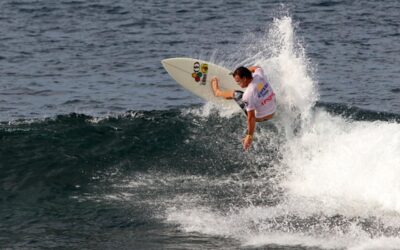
[
  {"x": 319, "y": 175},
  {"x": 332, "y": 185}
]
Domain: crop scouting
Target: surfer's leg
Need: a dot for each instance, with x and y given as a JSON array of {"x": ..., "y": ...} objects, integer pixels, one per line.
[{"x": 228, "y": 94}]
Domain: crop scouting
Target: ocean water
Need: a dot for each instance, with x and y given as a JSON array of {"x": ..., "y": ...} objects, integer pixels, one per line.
[{"x": 101, "y": 149}]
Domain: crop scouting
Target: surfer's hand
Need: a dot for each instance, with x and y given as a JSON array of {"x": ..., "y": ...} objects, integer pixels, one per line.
[
  {"x": 247, "y": 141},
  {"x": 214, "y": 86}
]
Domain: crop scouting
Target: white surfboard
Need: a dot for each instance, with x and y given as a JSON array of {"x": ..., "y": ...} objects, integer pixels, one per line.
[{"x": 195, "y": 75}]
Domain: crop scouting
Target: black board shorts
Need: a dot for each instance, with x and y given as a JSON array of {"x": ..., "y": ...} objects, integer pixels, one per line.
[{"x": 237, "y": 96}]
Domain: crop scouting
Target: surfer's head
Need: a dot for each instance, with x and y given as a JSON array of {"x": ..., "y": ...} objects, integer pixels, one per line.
[{"x": 242, "y": 76}]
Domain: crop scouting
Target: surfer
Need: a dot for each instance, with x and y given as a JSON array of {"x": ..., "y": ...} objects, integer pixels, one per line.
[{"x": 258, "y": 100}]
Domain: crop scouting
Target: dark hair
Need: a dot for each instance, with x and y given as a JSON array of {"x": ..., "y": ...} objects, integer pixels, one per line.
[{"x": 242, "y": 72}]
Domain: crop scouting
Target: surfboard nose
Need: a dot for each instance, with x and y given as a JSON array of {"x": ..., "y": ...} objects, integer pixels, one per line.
[
  {"x": 165, "y": 61},
  {"x": 173, "y": 61},
  {"x": 171, "y": 65},
  {"x": 167, "y": 64}
]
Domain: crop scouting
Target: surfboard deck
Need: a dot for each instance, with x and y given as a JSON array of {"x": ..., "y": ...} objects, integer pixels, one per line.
[{"x": 195, "y": 75}]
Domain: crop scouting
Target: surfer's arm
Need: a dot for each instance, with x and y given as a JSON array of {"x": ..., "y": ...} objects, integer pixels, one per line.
[
  {"x": 227, "y": 94},
  {"x": 251, "y": 125},
  {"x": 253, "y": 68}
]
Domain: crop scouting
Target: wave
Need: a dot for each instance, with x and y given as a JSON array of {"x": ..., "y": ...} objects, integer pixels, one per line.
[
  {"x": 142, "y": 138},
  {"x": 69, "y": 149},
  {"x": 336, "y": 176}
]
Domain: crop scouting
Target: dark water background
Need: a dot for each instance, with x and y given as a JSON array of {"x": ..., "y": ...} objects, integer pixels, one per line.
[{"x": 101, "y": 149}]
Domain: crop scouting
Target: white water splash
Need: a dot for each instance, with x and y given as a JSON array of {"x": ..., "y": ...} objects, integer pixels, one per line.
[
  {"x": 346, "y": 165},
  {"x": 340, "y": 178},
  {"x": 208, "y": 108}
]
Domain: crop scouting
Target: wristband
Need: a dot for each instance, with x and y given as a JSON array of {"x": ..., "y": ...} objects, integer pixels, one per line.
[{"x": 249, "y": 136}]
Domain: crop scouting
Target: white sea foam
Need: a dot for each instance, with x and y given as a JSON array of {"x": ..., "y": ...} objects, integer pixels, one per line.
[
  {"x": 346, "y": 164},
  {"x": 208, "y": 108}
]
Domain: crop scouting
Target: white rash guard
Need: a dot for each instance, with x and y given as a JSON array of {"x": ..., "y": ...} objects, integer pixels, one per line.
[{"x": 259, "y": 95}]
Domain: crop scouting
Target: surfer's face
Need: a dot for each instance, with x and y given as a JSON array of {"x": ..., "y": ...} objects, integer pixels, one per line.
[{"x": 243, "y": 82}]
